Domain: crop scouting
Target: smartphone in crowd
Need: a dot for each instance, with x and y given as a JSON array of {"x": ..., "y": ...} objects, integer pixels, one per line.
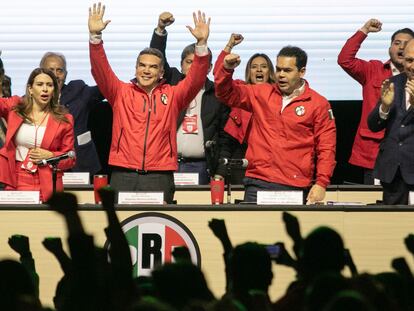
[{"x": 273, "y": 250}]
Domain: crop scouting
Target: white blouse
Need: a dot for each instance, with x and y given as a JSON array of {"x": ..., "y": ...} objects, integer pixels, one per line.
[{"x": 26, "y": 137}]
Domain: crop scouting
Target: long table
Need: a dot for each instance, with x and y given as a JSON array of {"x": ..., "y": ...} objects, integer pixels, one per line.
[
  {"x": 373, "y": 233},
  {"x": 358, "y": 194}
]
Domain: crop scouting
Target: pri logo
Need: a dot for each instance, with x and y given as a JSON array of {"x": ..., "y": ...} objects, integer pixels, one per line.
[{"x": 152, "y": 237}]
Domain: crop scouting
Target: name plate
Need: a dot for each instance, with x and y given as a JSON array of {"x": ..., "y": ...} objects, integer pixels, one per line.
[
  {"x": 183, "y": 179},
  {"x": 280, "y": 197},
  {"x": 411, "y": 198},
  {"x": 141, "y": 198},
  {"x": 75, "y": 178},
  {"x": 19, "y": 197}
]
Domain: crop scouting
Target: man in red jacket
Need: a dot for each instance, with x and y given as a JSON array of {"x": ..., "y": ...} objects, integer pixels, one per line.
[
  {"x": 370, "y": 75},
  {"x": 145, "y": 111},
  {"x": 292, "y": 127}
]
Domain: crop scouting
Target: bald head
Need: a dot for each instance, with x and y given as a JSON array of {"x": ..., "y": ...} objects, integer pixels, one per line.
[{"x": 409, "y": 59}]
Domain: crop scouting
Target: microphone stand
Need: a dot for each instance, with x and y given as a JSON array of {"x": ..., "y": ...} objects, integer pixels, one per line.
[
  {"x": 54, "y": 174},
  {"x": 53, "y": 165},
  {"x": 228, "y": 183}
]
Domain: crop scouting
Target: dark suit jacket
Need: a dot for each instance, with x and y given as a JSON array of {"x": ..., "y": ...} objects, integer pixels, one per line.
[
  {"x": 213, "y": 114},
  {"x": 397, "y": 147},
  {"x": 80, "y": 99}
]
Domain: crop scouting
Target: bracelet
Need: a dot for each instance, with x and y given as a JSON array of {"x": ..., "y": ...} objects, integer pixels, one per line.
[{"x": 229, "y": 46}]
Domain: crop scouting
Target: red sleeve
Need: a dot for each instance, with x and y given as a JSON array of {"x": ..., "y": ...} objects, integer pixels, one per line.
[
  {"x": 231, "y": 92},
  {"x": 188, "y": 88},
  {"x": 6, "y": 104},
  {"x": 325, "y": 143},
  {"x": 355, "y": 67},
  {"x": 108, "y": 83},
  {"x": 68, "y": 144}
]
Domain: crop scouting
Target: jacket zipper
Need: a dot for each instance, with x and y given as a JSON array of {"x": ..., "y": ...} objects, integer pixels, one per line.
[
  {"x": 146, "y": 132},
  {"x": 145, "y": 103},
  {"x": 119, "y": 139}
]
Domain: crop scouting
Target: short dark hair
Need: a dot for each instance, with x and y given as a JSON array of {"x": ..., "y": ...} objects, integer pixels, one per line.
[
  {"x": 407, "y": 31},
  {"x": 298, "y": 53},
  {"x": 155, "y": 52},
  {"x": 247, "y": 78},
  {"x": 190, "y": 49}
]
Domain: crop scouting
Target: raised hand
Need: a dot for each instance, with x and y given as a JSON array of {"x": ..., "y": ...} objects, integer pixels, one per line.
[
  {"x": 164, "y": 20},
  {"x": 372, "y": 25},
  {"x": 201, "y": 28},
  {"x": 95, "y": 21},
  {"x": 409, "y": 243},
  {"x": 284, "y": 258},
  {"x": 108, "y": 198},
  {"x": 292, "y": 226},
  {"x": 400, "y": 265},
  {"x": 231, "y": 61},
  {"x": 181, "y": 254},
  {"x": 349, "y": 262},
  {"x": 53, "y": 244},
  {"x": 235, "y": 39},
  {"x": 387, "y": 95},
  {"x": 218, "y": 226},
  {"x": 20, "y": 244},
  {"x": 63, "y": 203},
  {"x": 316, "y": 194}
]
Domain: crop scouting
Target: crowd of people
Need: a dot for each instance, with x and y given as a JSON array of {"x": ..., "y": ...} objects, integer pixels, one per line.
[
  {"x": 92, "y": 282},
  {"x": 169, "y": 120}
]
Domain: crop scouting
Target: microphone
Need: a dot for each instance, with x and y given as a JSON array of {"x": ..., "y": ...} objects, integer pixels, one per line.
[
  {"x": 210, "y": 143},
  {"x": 70, "y": 154},
  {"x": 234, "y": 162}
]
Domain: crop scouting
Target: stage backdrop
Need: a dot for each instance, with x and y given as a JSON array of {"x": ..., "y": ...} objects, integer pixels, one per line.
[{"x": 30, "y": 28}]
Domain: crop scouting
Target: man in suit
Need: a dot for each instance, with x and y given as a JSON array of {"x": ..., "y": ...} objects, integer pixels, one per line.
[
  {"x": 79, "y": 99},
  {"x": 370, "y": 74},
  {"x": 395, "y": 113}
]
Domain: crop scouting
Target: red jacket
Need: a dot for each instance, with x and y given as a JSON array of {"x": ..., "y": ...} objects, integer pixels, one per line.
[
  {"x": 370, "y": 75},
  {"x": 58, "y": 138},
  {"x": 238, "y": 124},
  {"x": 145, "y": 125},
  {"x": 283, "y": 146}
]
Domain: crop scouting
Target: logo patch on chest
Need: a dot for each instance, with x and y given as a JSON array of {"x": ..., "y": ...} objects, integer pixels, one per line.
[
  {"x": 300, "y": 111},
  {"x": 164, "y": 99}
]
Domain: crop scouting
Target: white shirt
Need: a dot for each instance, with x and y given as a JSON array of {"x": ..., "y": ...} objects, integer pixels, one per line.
[
  {"x": 288, "y": 98},
  {"x": 26, "y": 138}
]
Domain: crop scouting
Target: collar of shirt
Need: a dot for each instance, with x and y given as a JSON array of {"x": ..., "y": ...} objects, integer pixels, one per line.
[
  {"x": 407, "y": 100},
  {"x": 394, "y": 69},
  {"x": 288, "y": 98},
  {"x": 295, "y": 93}
]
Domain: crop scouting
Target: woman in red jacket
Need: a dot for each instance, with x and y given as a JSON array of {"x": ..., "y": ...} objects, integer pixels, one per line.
[
  {"x": 259, "y": 69},
  {"x": 39, "y": 128}
]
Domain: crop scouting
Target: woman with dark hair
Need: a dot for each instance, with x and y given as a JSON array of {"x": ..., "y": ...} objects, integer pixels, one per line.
[
  {"x": 39, "y": 128},
  {"x": 259, "y": 69}
]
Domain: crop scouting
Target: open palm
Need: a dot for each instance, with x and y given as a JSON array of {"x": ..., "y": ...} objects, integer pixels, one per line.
[
  {"x": 201, "y": 28},
  {"x": 95, "y": 21}
]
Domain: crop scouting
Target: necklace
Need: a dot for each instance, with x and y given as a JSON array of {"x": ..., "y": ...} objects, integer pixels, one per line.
[{"x": 45, "y": 114}]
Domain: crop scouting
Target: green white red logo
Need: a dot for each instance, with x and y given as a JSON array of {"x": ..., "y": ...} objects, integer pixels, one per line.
[{"x": 152, "y": 237}]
